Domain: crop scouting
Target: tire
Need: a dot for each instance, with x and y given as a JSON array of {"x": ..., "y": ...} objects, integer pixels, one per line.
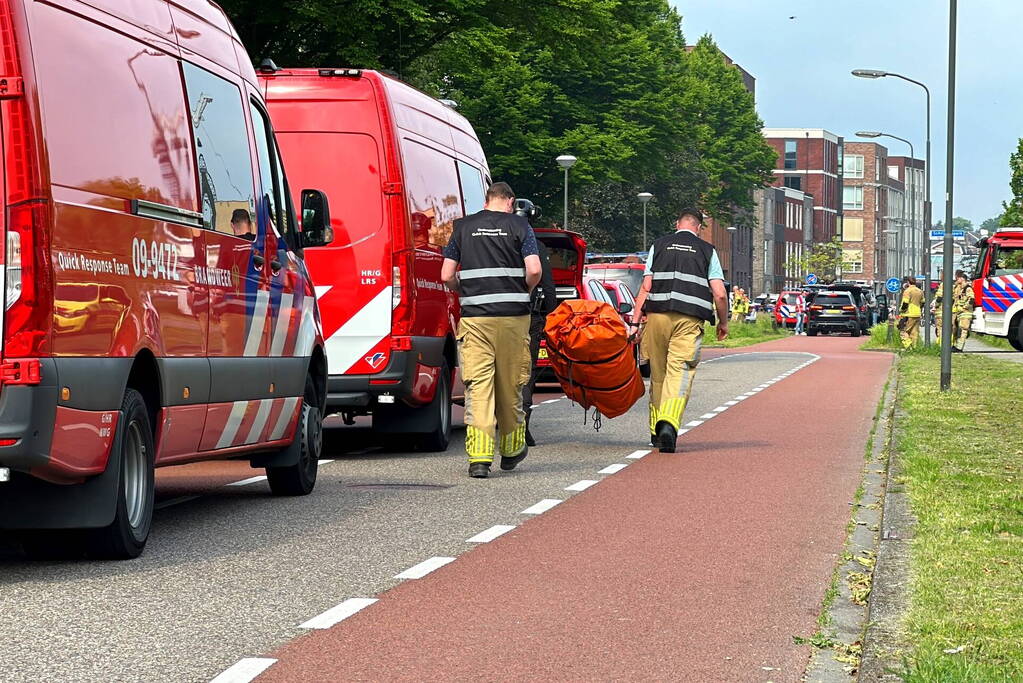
[
  {"x": 300, "y": 479},
  {"x": 1016, "y": 333},
  {"x": 856, "y": 332},
  {"x": 811, "y": 333},
  {"x": 437, "y": 440},
  {"x": 126, "y": 536}
]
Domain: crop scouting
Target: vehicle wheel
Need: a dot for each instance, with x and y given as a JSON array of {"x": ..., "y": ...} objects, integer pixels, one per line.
[
  {"x": 811, "y": 333},
  {"x": 1016, "y": 334},
  {"x": 126, "y": 536},
  {"x": 437, "y": 440},
  {"x": 856, "y": 332},
  {"x": 300, "y": 478}
]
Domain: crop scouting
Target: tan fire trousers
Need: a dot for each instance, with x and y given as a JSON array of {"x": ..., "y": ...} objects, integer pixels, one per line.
[
  {"x": 911, "y": 332},
  {"x": 672, "y": 342},
  {"x": 495, "y": 362}
]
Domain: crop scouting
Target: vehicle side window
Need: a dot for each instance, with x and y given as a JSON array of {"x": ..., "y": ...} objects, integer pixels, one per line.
[
  {"x": 433, "y": 194},
  {"x": 473, "y": 193},
  {"x": 1007, "y": 261},
  {"x": 270, "y": 171},
  {"x": 222, "y": 152}
]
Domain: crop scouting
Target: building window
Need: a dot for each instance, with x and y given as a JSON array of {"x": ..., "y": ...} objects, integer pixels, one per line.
[
  {"x": 852, "y": 166},
  {"x": 852, "y": 197},
  {"x": 791, "y": 146},
  {"x": 793, "y": 181},
  {"x": 852, "y": 260},
  {"x": 893, "y": 172},
  {"x": 852, "y": 229}
]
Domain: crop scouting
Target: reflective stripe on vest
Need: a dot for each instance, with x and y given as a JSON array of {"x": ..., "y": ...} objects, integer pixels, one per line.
[
  {"x": 491, "y": 272},
  {"x": 678, "y": 296},
  {"x": 685, "y": 277},
  {"x": 482, "y": 299}
]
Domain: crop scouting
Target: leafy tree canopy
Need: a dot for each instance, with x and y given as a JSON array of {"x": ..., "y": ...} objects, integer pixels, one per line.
[
  {"x": 609, "y": 81},
  {"x": 1013, "y": 214},
  {"x": 958, "y": 223},
  {"x": 991, "y": 224}
]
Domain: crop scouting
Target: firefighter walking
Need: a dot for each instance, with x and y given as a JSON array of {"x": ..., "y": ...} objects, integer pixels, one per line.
[
  {"x": 683, "y": 288},
  {"x": 492, "y": 262},
  {"x": 911, "y": 310},
  {"x": 962, "y": 311}
]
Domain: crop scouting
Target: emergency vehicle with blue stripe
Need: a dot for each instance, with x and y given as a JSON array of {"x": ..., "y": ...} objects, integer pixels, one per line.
[
  {"x": 998, "y": 286},
  {"x": 157, "y": 306}
]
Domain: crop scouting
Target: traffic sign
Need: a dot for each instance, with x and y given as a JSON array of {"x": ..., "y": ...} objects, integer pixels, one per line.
[
  {"x": 811, "y": 279},
  {"x": 940, "y": 234},
  {"x": 893, "y": 284}
]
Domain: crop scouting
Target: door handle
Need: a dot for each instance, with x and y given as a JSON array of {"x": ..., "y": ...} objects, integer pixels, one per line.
[{"x": 258, "y": 260}]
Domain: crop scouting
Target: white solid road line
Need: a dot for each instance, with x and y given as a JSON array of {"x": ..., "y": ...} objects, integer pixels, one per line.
[
  {"x": 581, "y": 485},
  {"x": 541, "y": 507},
  {"x": 245, "y": 670},
  {"x": 338, "y": 613},
  {"x": 424, "y": 568},
  {"x": 174, "y": 501},
  {"x": 246, "y": 482},
  {"x": 612, "y": 469},
  {"x": 636, "y": 455}
]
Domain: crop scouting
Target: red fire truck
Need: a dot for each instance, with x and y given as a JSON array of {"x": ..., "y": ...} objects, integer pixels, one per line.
[
  {"x": 400, "y": 167},
  {"x": 157, "y": 306},
  {"x": 998, "y": 286}
]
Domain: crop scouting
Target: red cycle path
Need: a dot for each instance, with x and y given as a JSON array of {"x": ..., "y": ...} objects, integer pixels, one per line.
[{"x": 695, "y": 566}]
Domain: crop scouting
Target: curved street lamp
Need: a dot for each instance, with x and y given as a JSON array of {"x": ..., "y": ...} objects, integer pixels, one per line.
[{"x": 644, "y": 199}]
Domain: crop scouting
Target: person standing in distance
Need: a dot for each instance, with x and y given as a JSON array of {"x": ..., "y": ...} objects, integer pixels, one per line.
[
  {"x": 911, "y": 310},
  {"x": 683, "y": 288},
  {"x": 962, "y": 311},
  {"x": 492, "y": 262}
]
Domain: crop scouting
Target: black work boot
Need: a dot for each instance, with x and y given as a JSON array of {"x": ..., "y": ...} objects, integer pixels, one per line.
[
  {"x": 479, "y": 470},
  {"x": 666, "y": 436},
  {"x": 510, "y": 463}
]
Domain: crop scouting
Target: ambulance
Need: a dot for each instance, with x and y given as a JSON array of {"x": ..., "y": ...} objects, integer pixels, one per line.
[
  {"x": 998, "y": 286},
  {"x": 400, "y": 167},
  {"x": 157, "y": 308}
]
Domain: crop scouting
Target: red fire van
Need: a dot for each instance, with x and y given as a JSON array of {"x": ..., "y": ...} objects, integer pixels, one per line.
[
  {"x": 998, "y": 286},
  {"x": 399, "y": 167},
  {"x": 157, "y": 306}
]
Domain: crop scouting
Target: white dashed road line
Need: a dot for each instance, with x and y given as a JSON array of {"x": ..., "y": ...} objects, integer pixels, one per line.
[
  {"x": 490, "y": 534},
  {"x": 424, "y": 568},
  {"x": 694, "y": 423},
  {"x": 707, "y": 416},
  {"x": 581, "y": 485},
  {"x": 245, "y": 670},
  {"x": 246, "y": 482},
  {"x": 636, "y": 455},
  {"x": 541, "y": 507},
  {"x": 338, "y": 613},
  {"x": 612, "y": 469}
]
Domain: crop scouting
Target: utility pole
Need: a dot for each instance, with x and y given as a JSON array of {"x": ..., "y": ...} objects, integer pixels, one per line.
[{"x": 946, "y": 300}]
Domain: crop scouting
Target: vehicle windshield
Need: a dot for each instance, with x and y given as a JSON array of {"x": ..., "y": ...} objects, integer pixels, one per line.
[
  {"x": 633, "y": 277},
  {"x": 789, "y": 298},
  {"x": 1007, "y": 261}
]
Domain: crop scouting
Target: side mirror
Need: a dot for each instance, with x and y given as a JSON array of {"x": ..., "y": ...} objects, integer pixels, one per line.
[
  {"x": 625, "y": 308},
  {"x": 316, "y": 230}
]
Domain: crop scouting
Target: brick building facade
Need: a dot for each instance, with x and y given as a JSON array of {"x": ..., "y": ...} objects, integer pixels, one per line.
[{"x": 808, "y": 161}]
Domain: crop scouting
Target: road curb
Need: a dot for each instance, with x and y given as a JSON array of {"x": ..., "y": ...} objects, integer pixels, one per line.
[{"x": 838, "y": 643}]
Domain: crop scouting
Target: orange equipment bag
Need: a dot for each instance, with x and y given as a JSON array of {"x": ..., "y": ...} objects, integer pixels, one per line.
[{"x": 592, "y": 356}]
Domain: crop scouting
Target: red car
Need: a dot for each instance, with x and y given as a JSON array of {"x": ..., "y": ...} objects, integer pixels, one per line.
[
  {"x": 629, "y": 273},
  {"x": 400, "y": 167},
  {"x": 157, "y": 304},
  {"x": 785, "y": 308}
]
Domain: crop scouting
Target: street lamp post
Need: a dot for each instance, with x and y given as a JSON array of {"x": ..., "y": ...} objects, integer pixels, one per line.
[
  {"x": 644, "y": 199},
  {"x": 566, "y": 161},
  {"x": 926, "y": 260},
  {"x": 946, "y": 280},
  {"x": 912, "y": 200}
]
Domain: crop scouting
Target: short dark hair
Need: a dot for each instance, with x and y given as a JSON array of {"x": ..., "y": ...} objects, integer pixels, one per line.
[
  {"x": 909, "y": 279},
  {"x": 695, "y": 213},
  {"x": 961, "y": 274},
  {"x": 240, "y": 215},
  {"x": 500, "y": 191}
]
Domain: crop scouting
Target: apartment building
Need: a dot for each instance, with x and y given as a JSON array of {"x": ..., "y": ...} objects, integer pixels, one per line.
[
  {"x": 783, "y": 234},
  {"x": 808, "y": 161}
]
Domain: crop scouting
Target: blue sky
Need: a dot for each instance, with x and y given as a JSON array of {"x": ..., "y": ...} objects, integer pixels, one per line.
[{"x": 802, "y": 69}]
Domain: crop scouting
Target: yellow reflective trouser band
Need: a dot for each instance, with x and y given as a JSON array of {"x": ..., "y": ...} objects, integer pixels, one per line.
[
  {"x": 671, "y": 411},
  {"x": 513, "y": 444},
  {"x": 479, "y": 445}
]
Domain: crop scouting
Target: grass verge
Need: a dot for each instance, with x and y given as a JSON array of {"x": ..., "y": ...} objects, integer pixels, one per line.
[
  {"x": 962, "y": 455},
  {"x": 744, "y": 334},
  {"x": 878, "y": 340}
]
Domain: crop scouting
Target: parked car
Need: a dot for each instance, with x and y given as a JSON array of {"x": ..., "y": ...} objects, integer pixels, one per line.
[
  {"x": 566, "y": 252},
  {"x": 833, "y": 311},
  {"x": 629, "y": 273},
  {"x": 625, "y": 303},
  {"x": 785, "y": 308},
  {"x": 401, "y": 167},
  {"x": 864, "y": 298},
  {"x": 158, "y": 307}
]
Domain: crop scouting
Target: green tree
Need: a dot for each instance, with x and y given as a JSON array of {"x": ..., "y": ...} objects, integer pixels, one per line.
[
  {"x": 958, "y": 223},
  {"x": 991, "y": 224},
  {"x": 824, "y": 259},
  {"x": 1013, "y": 209}
]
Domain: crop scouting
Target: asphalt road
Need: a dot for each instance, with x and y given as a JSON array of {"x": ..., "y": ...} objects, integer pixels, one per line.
[{"x": 231, "y": 572}]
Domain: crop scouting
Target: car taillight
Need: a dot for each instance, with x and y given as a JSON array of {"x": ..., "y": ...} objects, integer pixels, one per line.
[
  {"x": 848, "y": 308},
  {"x": 402, "y": 294},
  {"x": 816, "y": 308},
  {"x": 12, "y": 259},
  {"x": 29, "y": 316}
]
